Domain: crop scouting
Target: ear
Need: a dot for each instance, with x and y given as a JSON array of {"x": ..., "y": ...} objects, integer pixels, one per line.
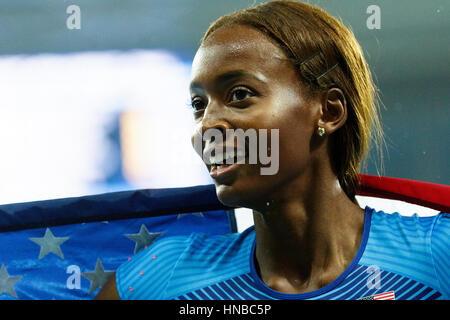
[{"x": 334, "y": 110}]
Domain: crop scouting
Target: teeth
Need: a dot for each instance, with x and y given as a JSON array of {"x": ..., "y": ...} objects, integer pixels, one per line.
[{"x": 222, "y": 158}]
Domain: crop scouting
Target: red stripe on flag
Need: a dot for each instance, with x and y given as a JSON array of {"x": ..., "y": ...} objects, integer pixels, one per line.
[
  {"x": 385, "y": 296},
  {"x": 431, "y": 195}
]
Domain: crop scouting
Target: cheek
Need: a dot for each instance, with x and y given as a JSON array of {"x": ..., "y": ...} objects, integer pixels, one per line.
[
  {"x": 197, "y": 141},
  {"x": 295, "y": 132},
  {"x": 295, "y": 138},
  {"x": 293, "y": 152}
]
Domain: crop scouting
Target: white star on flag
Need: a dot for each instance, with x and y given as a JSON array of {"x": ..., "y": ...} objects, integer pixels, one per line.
[{"x": 50, "y": 244}]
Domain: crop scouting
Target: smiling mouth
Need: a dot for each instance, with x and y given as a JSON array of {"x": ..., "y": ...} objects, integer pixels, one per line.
[{"x": 222, "y": 164}]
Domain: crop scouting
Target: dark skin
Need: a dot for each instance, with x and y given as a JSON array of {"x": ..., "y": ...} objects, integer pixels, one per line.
[{"x": 310, "y": 231}]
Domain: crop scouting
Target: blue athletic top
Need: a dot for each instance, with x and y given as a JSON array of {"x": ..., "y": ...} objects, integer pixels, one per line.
[{"x": 400, "y": 257}]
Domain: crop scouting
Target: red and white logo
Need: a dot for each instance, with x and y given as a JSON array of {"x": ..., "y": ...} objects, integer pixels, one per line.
[{"x": 381, "y": 296}]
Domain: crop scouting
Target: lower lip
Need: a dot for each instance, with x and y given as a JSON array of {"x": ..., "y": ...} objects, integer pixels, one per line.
[{"x": 222, "y": 171}]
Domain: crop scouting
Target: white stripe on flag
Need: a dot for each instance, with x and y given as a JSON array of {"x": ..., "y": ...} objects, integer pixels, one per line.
[{"x": 385, "y": 296}]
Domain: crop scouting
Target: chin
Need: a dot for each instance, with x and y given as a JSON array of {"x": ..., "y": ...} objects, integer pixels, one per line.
[
  {"x": 227, "y": 195},
  {"x": 236, "y": 196}
]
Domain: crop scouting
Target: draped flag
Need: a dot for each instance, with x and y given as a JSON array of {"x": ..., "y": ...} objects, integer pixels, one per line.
[{"x": 68, "y": 248}]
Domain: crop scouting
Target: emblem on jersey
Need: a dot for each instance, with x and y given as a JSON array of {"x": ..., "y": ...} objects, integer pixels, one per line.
[{"x": 381, "y": 296}]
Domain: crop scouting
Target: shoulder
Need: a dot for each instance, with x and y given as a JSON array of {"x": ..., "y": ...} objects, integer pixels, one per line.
[
  {"x": 440, "y": 251},
  {"x": 412, "y": 232},
  {"x": 405, "y": 235},
  {"x": 397, "y": 220},
  {"x": 441, "y": 228},
  {"x": 170, "y": 262},
  {"x": 403, "y": 244},
  {"x": 402, "y": 231},
  {"x": 150, "y": 264},
  {"x": 205, "y": 248}
]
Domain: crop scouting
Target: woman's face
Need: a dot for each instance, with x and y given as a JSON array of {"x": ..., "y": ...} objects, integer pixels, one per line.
[{"x": 242, "y": 80}]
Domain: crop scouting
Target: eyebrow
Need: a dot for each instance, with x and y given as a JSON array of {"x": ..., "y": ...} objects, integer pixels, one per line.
[{"x": 229, "y": 76}]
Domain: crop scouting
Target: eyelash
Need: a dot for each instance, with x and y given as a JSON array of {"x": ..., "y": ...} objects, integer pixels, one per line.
[
  {"x": 233, "y": 91},
  {"x": 191, "y": 104},
  {"x": 236, "y": 89}
]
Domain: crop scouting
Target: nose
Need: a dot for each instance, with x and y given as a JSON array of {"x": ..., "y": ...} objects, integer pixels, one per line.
[
  {"x": 214, "y": 117},
  {"x": 212, "y": 124}
]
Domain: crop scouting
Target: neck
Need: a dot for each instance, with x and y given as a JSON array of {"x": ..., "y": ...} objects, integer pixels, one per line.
[{"x": 305, "y": 242}]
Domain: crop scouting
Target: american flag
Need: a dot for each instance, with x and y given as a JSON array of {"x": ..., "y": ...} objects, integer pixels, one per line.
[
  {"x": 381, "y": 296},
  {"x": 68, "y": 248}
]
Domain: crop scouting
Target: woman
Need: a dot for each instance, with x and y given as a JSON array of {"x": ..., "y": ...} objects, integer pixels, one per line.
[{"x": 291, "y": 66}]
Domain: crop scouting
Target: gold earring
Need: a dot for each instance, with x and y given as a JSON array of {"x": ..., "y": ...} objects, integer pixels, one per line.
[{"x": 321, "y": 131}]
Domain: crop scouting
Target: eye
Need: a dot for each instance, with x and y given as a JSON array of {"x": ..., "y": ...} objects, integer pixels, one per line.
[
  {"x": 197, "y": 104},
  {"x": 239, "y": 94}
]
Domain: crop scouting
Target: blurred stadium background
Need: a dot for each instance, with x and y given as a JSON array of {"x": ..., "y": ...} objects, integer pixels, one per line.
[{"x": 104, "y": 108}]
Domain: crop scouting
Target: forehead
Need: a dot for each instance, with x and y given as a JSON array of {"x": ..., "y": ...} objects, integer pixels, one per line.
[{"x": 238, "y": 48}]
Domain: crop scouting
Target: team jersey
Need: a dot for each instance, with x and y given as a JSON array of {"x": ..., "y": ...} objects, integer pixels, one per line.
[{"x": 400, "y": 257}]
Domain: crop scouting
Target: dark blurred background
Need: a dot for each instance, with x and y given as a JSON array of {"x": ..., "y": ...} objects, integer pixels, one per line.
[{"x": 409, "y": 57}]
